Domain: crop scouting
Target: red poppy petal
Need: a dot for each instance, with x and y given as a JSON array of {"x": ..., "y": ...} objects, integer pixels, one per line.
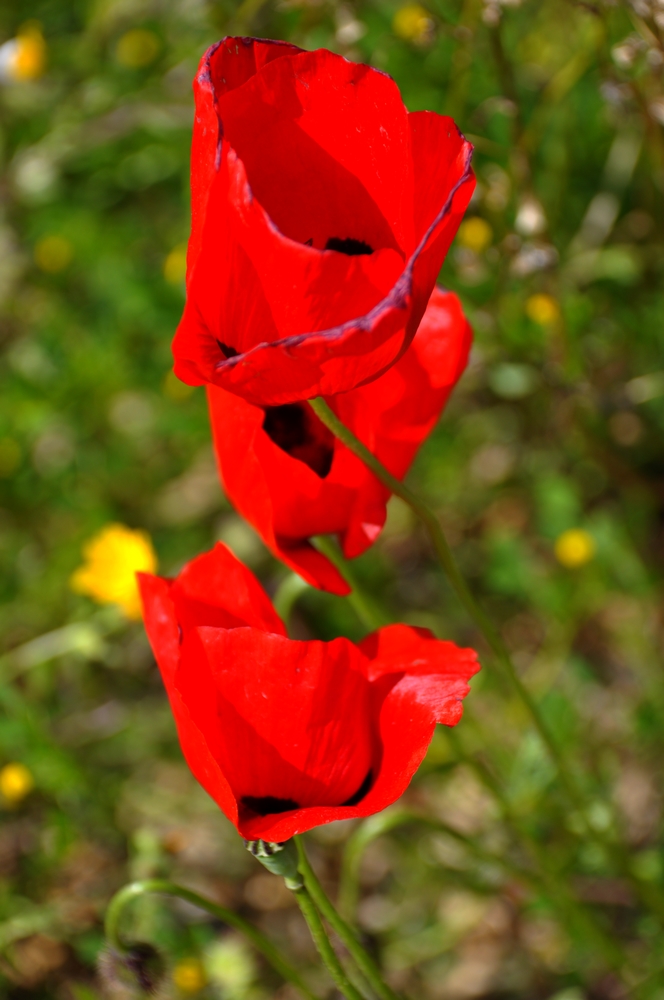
[
  {"x": 242, "y": 328},
  {"x": 256, "y": 475},
  {"x": 217, "y": 589},
  {"x": 163, "y": 632},
  {"x": 418, "y": 681},
  {"x": 287, "y": 502},
  {"x": 252, "y": 286},
  {"x": 225, "y": 65},
  {"x": 326, "y": 147},
  {"x": 299, "y": 732}
]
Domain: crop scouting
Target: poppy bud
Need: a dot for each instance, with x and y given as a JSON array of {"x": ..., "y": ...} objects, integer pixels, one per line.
[
  {"x": 134, "y": 973},
  {"x": 280, "y": 859}
]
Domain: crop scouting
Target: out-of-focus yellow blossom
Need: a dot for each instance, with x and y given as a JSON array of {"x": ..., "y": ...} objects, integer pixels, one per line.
[
  {"x": 53, "y": 254},
  {"x": 475, "y": 234},
  {"x": 189, "y": 975},
  {"x": 175, "y": 265},
  {"x": 23, "y": 57},
  {"x": 16, "y": 782},
  {"x": 542, "y": 309},
  {"x": 136, "y": 48},
  {"x": 574, "y": 547},
  {"x": 412, "y": 23},
  {"x": 112, "y": 559}
]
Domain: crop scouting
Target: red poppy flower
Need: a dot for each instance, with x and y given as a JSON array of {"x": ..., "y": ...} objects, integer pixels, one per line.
[
  {"x": 287, "y": 735},
  {"x": 290, "y": 478},
  {"x": 321, "y": 215}
]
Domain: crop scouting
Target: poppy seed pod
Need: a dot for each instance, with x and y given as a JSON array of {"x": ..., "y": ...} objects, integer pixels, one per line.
[
  {"x": 322, "y": 212},
  {"x": 291, "y": 479},
  {"x": 288, "y": 735}
]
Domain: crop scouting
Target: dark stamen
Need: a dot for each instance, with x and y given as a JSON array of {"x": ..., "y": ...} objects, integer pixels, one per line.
[
  {"x": 354, "y": 248},
  {"x": 265, "y": 805},
  {"x": 361, "y": 792},
  {"x": 228, "y": 352},
  {"x": 296, "y": 430}
]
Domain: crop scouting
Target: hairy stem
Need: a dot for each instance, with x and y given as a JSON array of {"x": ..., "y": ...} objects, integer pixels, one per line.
[
  {"x": 362, "y": 959},
  {"x": 649, "y": 895},
  {"x": 366, "y": 610},
  {"x": 128, "y": 893},
  {"x": 322, "y": 942}
]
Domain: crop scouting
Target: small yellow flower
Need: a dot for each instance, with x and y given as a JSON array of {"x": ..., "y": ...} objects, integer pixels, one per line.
[
  {"x": 53, "y": 254},
  {"x": 574, "y": 548},
  {"x": 542, "y": 309},
  {"x": 475, "y": 234},
  {"x": 112, "y": 559},
  {"x": 412, "y": 23},
  {"x": 31, "y": 53},
  {"x": 23, "y": 57},
  {"x": 175, "y": 265},
  {"x": 189, "y": 975},
  {"x": 136, "y": 48},
  {"x": 15, "y": 782}
]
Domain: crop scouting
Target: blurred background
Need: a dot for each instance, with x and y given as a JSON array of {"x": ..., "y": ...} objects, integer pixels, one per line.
[{"x": 547, "y": 471}]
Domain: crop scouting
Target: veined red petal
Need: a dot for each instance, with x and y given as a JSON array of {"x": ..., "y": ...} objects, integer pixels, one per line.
[
  {"x": 291, "y": 493},
  {"x": 287, "y": 735},
  {"x": 310, "y": 151}
]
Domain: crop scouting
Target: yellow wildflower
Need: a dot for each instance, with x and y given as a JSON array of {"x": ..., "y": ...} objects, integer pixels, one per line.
[
  {"x": 412, "y": 23},
  {"x": 175, "y": 265},
  {"x": 112, "y": 559},
  {"x": 53, "y": 254},
  {"x": 475, "y": 234},
  {"x": 542, "y": 309},
  {"x": 15, "y": 782},
  {"x": 189, "y": 975},
  {"x": 137, "y": 48},
  {"x": 23, "y": 57},
  {"x": 574, "y": 548}
]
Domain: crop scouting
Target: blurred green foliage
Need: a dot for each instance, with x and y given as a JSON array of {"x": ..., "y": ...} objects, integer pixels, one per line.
[{"x": 556, "y": 426}]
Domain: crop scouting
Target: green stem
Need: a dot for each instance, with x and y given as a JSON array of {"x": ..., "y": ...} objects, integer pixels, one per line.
[
  {"x": 322, "y": 942},
  {"x": 362, "y": 959},
  {"x": 132, "y": 891},
  {"x": 286, "y": 595},
  {"x": 382, "y": 823},
  {"x": 573, "y": 913},
  {"x": 649, "y": 895},
  {"x": 366, "y": 610},
  {"x": 431, "y": 523}
]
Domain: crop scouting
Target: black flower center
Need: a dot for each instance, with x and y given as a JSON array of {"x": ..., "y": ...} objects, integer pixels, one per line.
[
  {"x": 361, "y": 792},
  {"x": 296, "y": 429},
  {"x": 265, "y": 805},
  {"x": 228, "y": 352},
  {"x": 349, "y": 246}
]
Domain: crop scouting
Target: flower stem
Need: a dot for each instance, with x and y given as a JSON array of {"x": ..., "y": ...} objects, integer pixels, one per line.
[
  {"x": 132, "y": 891},
  {"x": 322, "y": 942},
  {"x": 431, "y": 523},
  {"x": 363, "y": 960},
  {"x": 366, "y": 610},
  {"x": 648, "y": 894},
  {"x": 287, "y": 594}
]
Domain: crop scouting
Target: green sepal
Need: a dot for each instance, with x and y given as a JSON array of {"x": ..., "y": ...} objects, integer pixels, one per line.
[{"x": 280, "y": 859}]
